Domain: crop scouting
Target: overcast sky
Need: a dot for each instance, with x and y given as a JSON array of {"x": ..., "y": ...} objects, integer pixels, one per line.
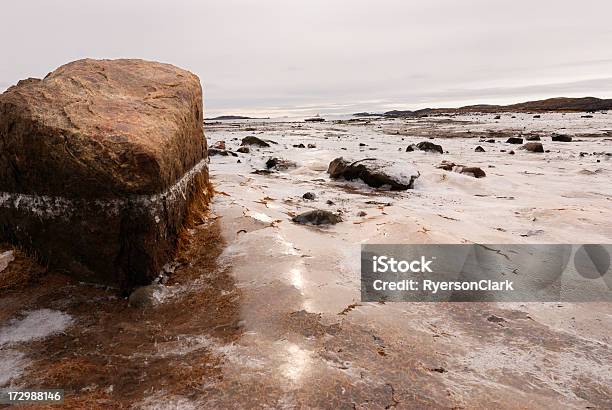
[{"x": 279, "y": 57}]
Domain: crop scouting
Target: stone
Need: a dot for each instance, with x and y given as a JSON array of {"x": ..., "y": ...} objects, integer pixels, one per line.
[
  {"x": 279, "y": 164},
  {"x": 476, "y": 172},
  {"x": 299, "y": 146},
  {"x": 375, "y": 173},
  {"x": 147, "y": 296},
  {"x": 490, "y": 141},
  {"x": 100, "y": 162},
  {"x": 533, "y": 147},
  {"x": 252, "y": 140},
  {"x": 218, "y": 145},
  {"x": 429, "y": 147},
  {"x": 479, "y": 149},
  {"x": 317, "y": 217},
  {"x": 532, "y": 138},
  {"x": 309, "y": 195},
  {"x": 561, "y": 138},
  {"x": 312, "y": 146},
  {"x": 221, "y": 152},
  {"x": 511, "y": 152},
  {"x": 243, "y": 150},
  {"x": 514, "y": 140}
]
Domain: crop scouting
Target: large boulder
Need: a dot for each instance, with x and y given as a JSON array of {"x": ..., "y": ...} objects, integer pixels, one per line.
[
  {"x": 376, "y": 173},
  {"x": 99, "y": 163}
]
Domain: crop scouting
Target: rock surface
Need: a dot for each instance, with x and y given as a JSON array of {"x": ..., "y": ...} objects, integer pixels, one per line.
[
  {"x": 99, "y": 162},
  {"x": 376, "y": 173},
  {"x": 514, "y": 140}
]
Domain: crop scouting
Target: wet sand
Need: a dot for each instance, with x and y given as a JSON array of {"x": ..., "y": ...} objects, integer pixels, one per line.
[{"x": 262, "y": 312}]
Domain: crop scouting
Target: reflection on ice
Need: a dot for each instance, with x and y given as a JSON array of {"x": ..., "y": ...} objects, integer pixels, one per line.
[{"x": 297, "y": 363}]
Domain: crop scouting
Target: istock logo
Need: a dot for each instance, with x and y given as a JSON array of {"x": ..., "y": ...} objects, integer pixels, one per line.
[{"x": 384, "y": 264}]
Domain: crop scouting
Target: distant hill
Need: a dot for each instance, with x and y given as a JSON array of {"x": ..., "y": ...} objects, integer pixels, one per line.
[
  {"x": 234, "y": 117},
  {"x": 560, "y": 104}
]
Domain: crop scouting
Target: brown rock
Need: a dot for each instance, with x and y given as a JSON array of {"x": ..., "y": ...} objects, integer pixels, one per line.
[
  {"x": 533, "y": 147},
  {"x": 375, "y": 173},
  {"x": 561, "y": 138},
  {"x": 99, "y": 162},
  {"x": 514, "y": 140},
  {"x": 251, "y": 140},
  {"x": 476, "y": 172}
]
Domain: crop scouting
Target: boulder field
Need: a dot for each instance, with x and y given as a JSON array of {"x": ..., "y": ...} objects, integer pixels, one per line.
[{"x": 100, "y": 162}]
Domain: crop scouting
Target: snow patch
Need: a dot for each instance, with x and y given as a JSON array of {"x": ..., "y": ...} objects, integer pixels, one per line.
[{"x": 36, "y": 325}]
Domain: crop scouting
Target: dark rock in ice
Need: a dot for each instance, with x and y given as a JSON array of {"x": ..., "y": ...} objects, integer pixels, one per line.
[
  {"x": 429, "y": 147},
  {"x": 532, "y": 138},
  {"x": 476, "y": 172},
  {"x": 309, "y": 195},
  {"x": 221, "y": 152},
  {"x": 561, "y": 138},
  {"x": 299, "y": 146},
  {"x": 479, "y": 149},
  {"x": 279, "y": 164},
  {"x": 533, "y": 147},
  {"x": 514, "y": 140},
  {"x": 243, "y": 150},
  {"x": 317, "y": 217},
  {"x": 252, "y": 140},
  {"x": 375, "y": 173}
]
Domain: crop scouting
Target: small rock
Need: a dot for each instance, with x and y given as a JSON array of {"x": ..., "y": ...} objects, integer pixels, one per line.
[
  {"x": 490, "y": 141},
  {"x": 147, "y": 296},
  {"x": 6, "y": 258},
  {"x": 221, "y": 152},
  {"x": 479, "y": 149},
  {"x": 533, "y": 147},
  {"x": 309, "y": 195},
  {"x": 312, "y": 146},
  {"x": 511, "y": 152},
  {"x": 330, "y": 202},
  {"x": 537, "y": 116},
  {"x": 514, "y": 140},
  {"x": 362, "y": 213},
  {"x": 252, "y": 140},
  {"x": 317, "y": 217},
  {"x": 532, "y": 138},
  {"x": 218, "y": 145},
  {"x": 476, "y": 172},
  {"x": 243, "y": 150},
  {"x": 561, "y": 138},
  {"x": 299, "y": 146},
  {"x": 361, "y": 144},
  {"x": 429, "y": 147},
  {"x": 497, "y": 117},
  {"x": 279, "y": 164}
]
